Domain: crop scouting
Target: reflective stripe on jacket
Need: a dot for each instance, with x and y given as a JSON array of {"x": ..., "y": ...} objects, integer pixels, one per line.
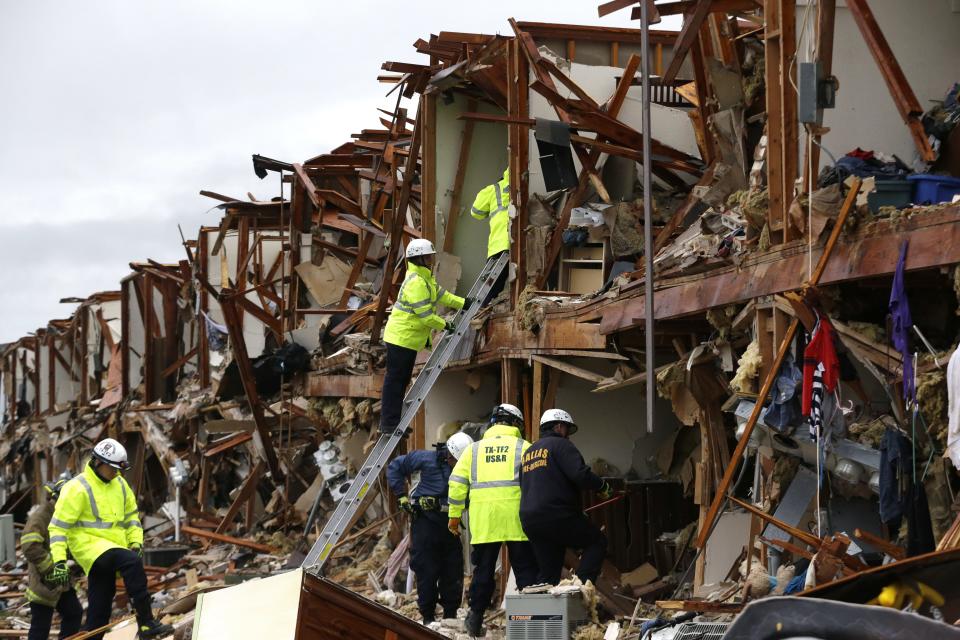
[
  {"x": 414, "y": 313},
  {"x": 93, "y": 516},
  {"x": 488, "y": 474},
  {"x": 36, "y": 548},
  {"x": 493, "y": 202}
]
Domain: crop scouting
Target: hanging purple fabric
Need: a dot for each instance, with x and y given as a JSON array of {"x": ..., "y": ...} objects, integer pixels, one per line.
[{"x": 902, "y": 324}]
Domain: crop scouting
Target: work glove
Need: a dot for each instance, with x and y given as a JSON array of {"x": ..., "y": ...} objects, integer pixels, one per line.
[
  {"x": 59, "y": 574},
  {"x": 428, "y": 503},
  {"x": 404, "y": 504},
  {"x": 606, "y": 491},
  {"x": 137, "y": 549},
  {"x": 449, "y": 326},
  {"x": 453, "y": 525},
  {"x": 467, "y": 302}
]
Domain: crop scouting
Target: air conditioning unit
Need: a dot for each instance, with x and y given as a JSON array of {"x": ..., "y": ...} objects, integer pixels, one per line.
[
  {"x": 544, "y": 616},
  {"x": 701, "y": 631}
]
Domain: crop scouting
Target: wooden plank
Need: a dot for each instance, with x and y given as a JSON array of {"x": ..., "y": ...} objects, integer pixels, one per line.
[
  {"x": 573, "y": 370},
  {"x": 777, "y": 198},
  {"x": 308, "y": 186},
  {"x": 396, "y": 229},
  {"x": 699, "y": 605},
  {"x": 688, "y": 35},
  {"x": 179, "y": 363},
  {"x": 261, "y": 437},
  {"x": 228, "y": 444},
  {"x": 244, "y": 493},
  {"x": 463, "y": 159},
  {"x": 789, "y": 144},
  {"x": 344, "y": 386},
  {"x": 219, "y": 537},
  {"x": 892, "y": 550}
]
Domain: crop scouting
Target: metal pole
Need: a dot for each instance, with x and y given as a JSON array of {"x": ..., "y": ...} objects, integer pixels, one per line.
[{"x": 647, "y": 214}]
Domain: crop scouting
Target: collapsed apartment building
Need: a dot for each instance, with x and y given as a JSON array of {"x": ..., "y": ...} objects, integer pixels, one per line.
[{"x": 245, "y": 379}]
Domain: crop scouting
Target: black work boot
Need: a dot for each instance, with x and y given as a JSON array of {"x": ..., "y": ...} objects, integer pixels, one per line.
[
  {"x": 153, "y": 629},
  {"x": 428, "y": 617},
  {"x": 474, "y": 623},
  {"x": 147, "y": 625}
]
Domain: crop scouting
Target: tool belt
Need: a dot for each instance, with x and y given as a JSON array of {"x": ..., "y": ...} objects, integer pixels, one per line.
[{"x": 430, "y": 503}]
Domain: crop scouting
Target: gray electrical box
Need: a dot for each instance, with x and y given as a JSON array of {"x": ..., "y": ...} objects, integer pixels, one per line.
[
  {"x": 544, "y": 616},
  {"x": 814, "y": 92}
]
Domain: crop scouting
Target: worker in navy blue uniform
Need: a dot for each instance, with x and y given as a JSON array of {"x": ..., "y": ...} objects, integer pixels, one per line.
[
  {"x": 436, "y": 555},
  {"x": 552, "y": 477}
]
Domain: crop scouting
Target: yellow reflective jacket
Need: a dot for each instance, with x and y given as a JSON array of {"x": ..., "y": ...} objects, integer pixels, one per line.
[
  {"x": 93, "y": 516},
  {"x": 35, "y": 544},
  {"x": 414, "y": 313},
  {"x": 493, "y": 202},
  {"x": 488, "y": 474}
]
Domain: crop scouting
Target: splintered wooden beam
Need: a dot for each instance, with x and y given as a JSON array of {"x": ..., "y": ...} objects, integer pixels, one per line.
[
  {"x": 573, "y": 370},
  {"x": 262, "y": 441},
  {"x": 308, "y": 185},
  {"x": 243, "y": 494},
  {"x": 607, "y": 8},
  {"x": 219, "y": 537},
  {"x": 453, "y": 214},
  {"x": 396, "y": 230},
  {"x": 903, "y": 96},
  {"x": 613, "y": 109},
  {"x": 688, "y": 35}
]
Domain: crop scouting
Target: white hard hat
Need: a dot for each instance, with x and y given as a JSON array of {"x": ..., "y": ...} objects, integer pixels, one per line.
[
  {"x": 420, "y": 247},
  {"x": 111, "y": 452},
  {"x": 506, "y": 413},
  {"x": 558, "y": 415},
  {"x": 458, "y": 443}
]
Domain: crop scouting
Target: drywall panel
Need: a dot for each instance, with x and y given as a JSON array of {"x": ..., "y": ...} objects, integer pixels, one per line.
[
  {"x": 613, "y": 424},
  {"x": 256, "y": 609},
  {"x": 487, "y": 161},
  {"x": 44, "y": 378},
  {"x": 136, "y": 336},
  {"x": 923, "y": 36},
  {"x": 453, "y": 400},
  {"x": 66, "y": 389}
]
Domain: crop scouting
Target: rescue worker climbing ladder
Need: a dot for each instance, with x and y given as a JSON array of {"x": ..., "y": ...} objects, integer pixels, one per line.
[
  {"x": 493, "y": 203},
  {"x": 97, "y": 519},
  {"x": 408, "y": 328},
  {"x": 436, "y": 555},
  {"x": 488, "y": 475}
]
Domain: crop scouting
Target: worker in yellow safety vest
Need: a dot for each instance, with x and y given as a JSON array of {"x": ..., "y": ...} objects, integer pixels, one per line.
[
  {"x": 413, "y": 316},
  {"x": 97, "y": 519},
  {"x": 493, "y": 203},
  {"x": 45, "y": 596},
  {"x": 488, "y": 475}
]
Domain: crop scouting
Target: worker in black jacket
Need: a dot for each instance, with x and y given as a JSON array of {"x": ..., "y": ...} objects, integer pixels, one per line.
[{"x": 552, "y": 476}]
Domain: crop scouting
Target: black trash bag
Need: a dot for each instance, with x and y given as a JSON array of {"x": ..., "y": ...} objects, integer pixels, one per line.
[{"x": 268, "y": 370}]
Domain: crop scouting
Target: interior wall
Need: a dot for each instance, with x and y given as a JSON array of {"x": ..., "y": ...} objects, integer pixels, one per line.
[
  {"x": 923, "y": 37},
  {"x": 44, "y": 378},
  {"x": 487, "y": 159},
  {"x": 452, "y": 400},
  {"x": 136, "y": 336},
  {"x": 613, "y": 424},
  {"x": 66, "y": 389}
]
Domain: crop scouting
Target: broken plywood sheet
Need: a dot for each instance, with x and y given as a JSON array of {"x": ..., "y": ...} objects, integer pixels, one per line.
[
  {"x": 448, "y": 271},
  {"x": 326, "y": 281},
  {"x": 264, "y": 608},
  {"x": 725, "y": 544}
]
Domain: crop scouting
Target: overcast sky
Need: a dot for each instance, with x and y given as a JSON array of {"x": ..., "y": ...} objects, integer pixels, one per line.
[{"x": 114, "y": 114}]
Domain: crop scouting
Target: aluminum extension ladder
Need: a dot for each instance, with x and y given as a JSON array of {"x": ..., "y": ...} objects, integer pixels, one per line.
[{"x": 341, "y": 517}]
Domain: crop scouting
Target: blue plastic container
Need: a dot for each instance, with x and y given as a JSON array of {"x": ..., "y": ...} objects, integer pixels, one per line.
[{"x": 930, "y": 189}]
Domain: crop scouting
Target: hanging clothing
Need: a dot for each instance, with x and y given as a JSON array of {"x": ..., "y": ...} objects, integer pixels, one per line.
[
  {"x": 900, "y": 497},
  {"x": 902, "y": 322},
  {"x": 821, "y": 372},
  {"x": 953, "y": 408}
]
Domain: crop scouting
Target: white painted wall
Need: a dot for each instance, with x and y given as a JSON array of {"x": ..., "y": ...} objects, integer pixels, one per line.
[
  {"x": 66, "y": 389},
  {"x": 452, "y": 400},
  {"x": 136, "y": 336},
  {"x": 613, "y": 424},
  {"x": 488, "y": 159},
  {"x": 923, "y": 36},
  {"x": 44, "y": 378}
]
